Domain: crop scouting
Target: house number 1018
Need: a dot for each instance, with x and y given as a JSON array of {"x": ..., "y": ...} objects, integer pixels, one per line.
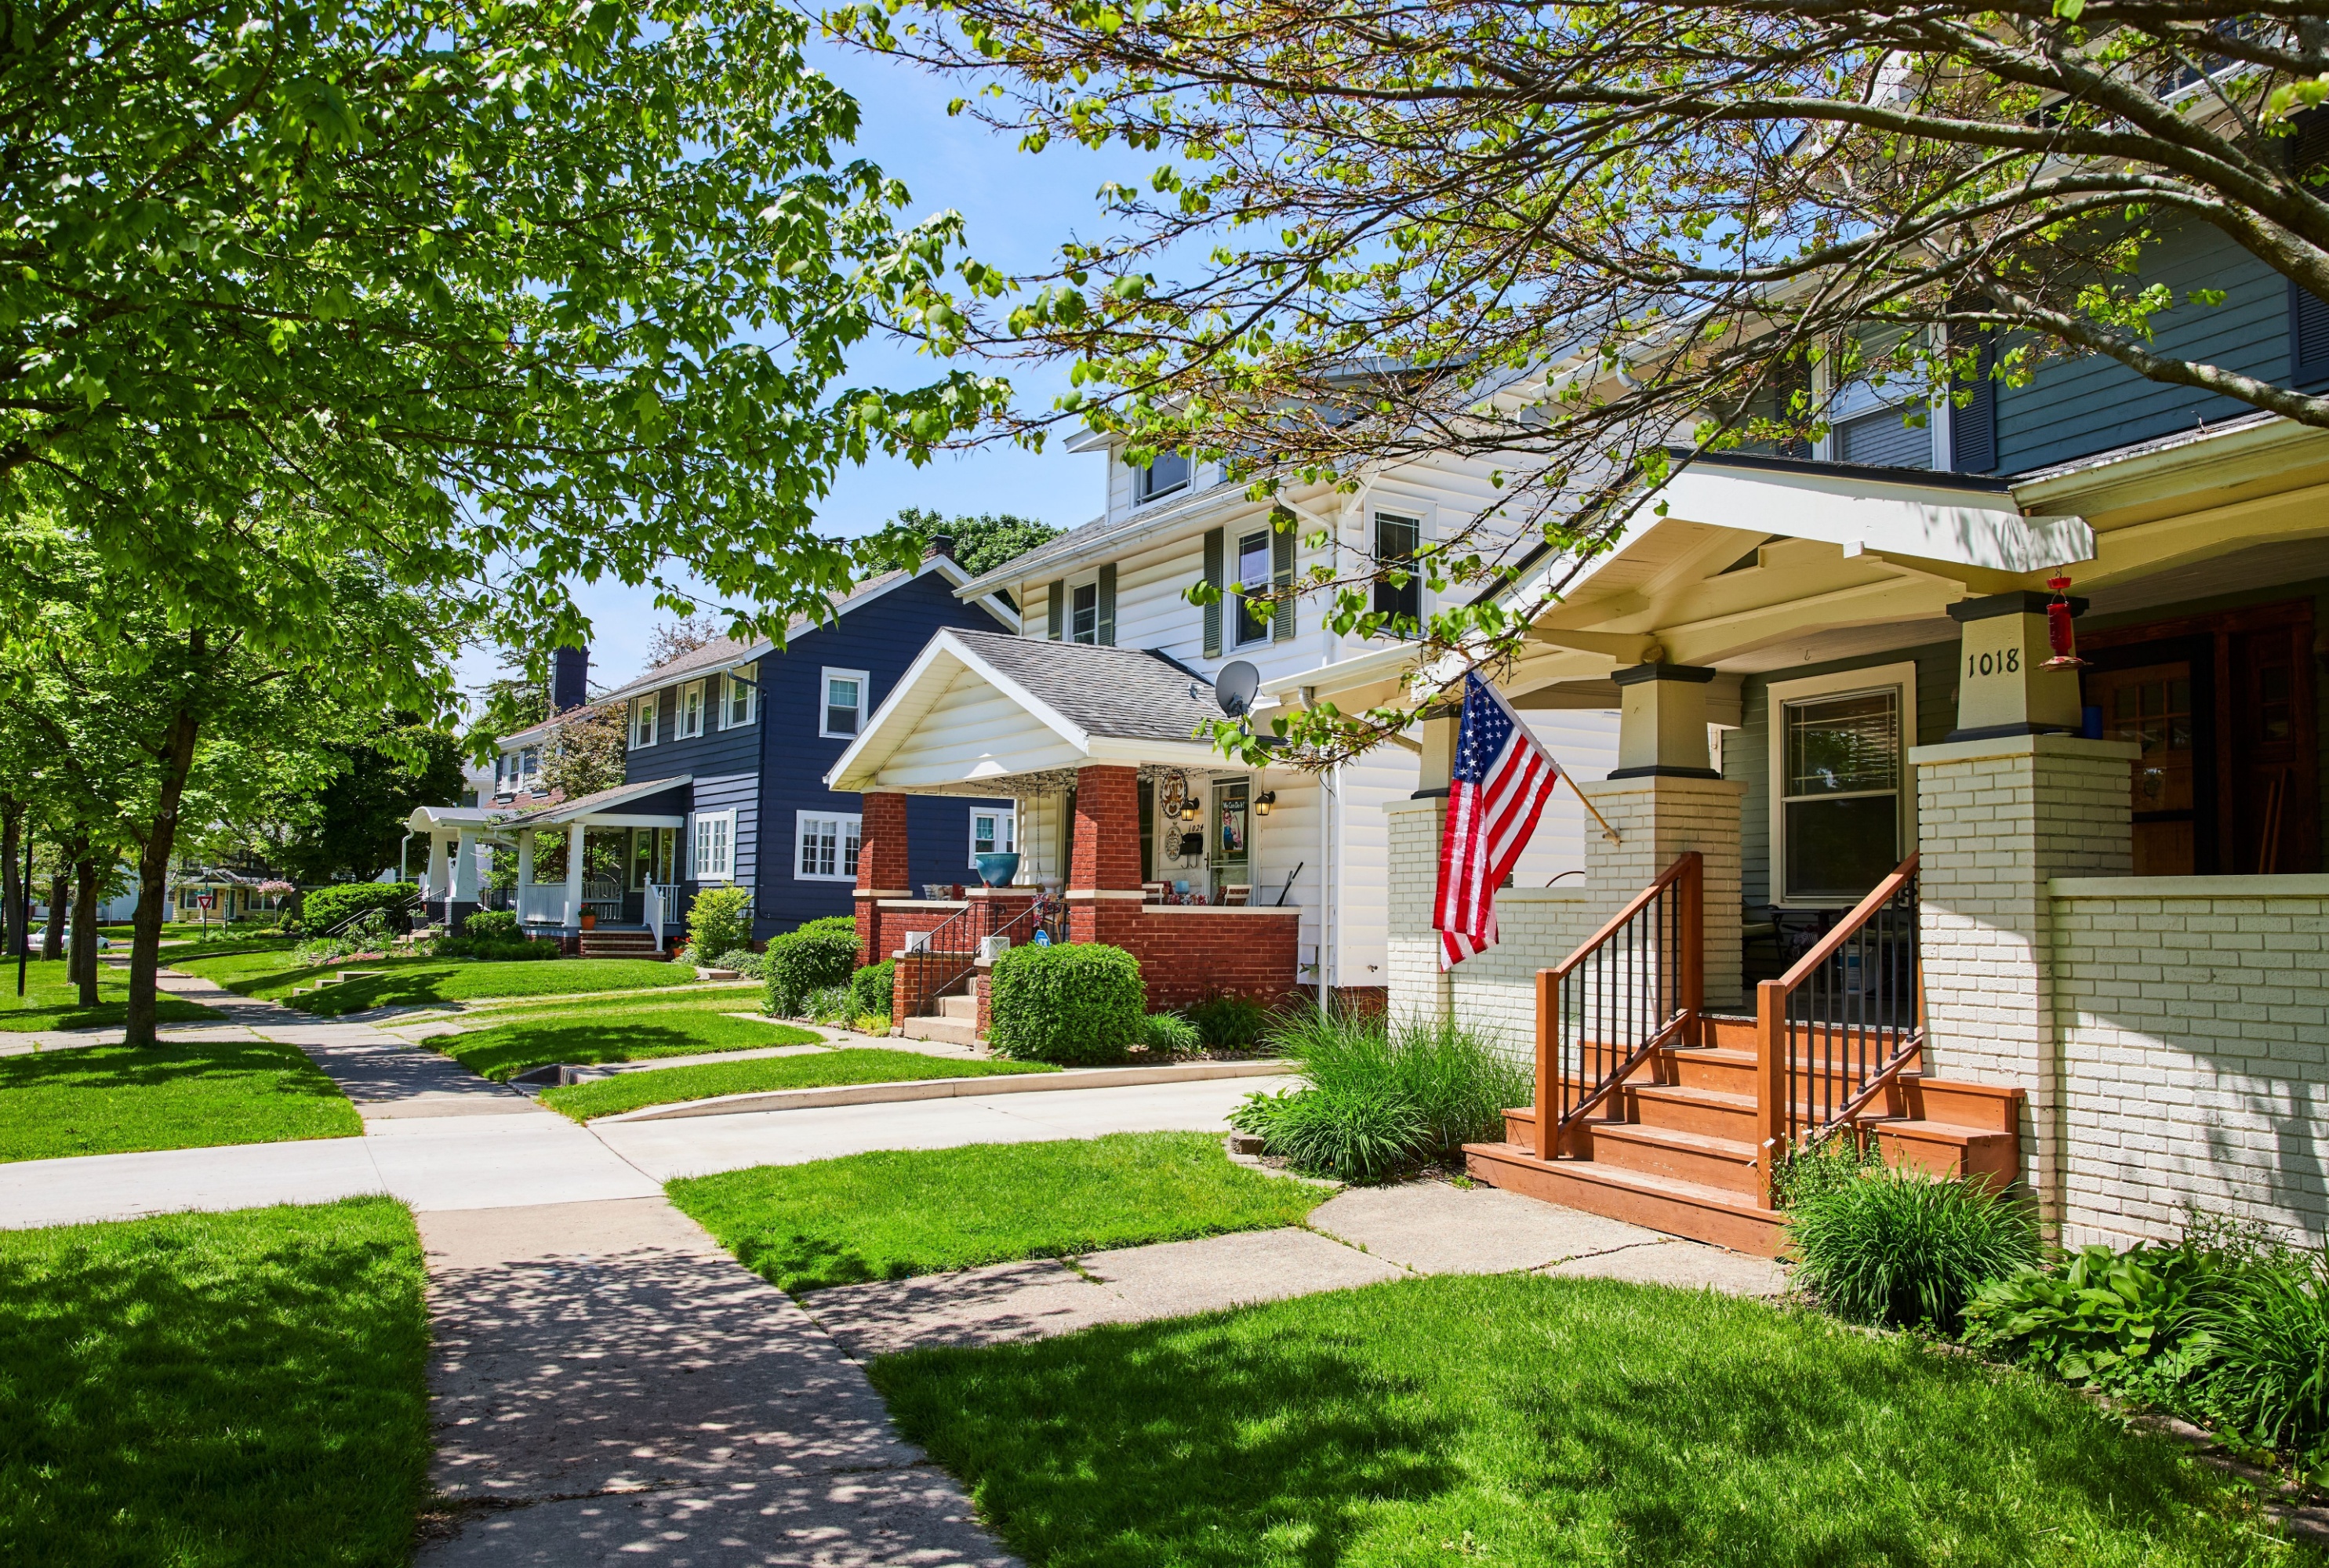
[{"x": 2008, "y": 663}]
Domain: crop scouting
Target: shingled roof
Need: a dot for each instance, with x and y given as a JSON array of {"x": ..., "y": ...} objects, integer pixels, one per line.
[{"x": 1130, "y": 693}]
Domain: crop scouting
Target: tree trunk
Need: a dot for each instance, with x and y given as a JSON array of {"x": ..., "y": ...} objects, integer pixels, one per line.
[
  {"x": 154, "y": 876},
  {"x": 53, "y": 936},
  {"x": 12, "y": 875},
  {"x": 84, "y": 927}
]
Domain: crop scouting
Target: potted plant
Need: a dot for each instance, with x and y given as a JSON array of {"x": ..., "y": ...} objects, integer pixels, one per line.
[{"x": 589, "y": 920}]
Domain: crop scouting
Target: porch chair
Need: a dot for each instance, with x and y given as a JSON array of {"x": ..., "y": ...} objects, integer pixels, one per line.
[
  {"x": 1234, "y": 894},
  {"x": 1153, "y": 892}
]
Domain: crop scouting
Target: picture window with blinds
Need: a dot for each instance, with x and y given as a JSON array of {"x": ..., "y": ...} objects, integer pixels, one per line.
[
  {"x": 827, "y": 845},
  {"x": 1256, "y": 601},
  {"x": 1839, "y": 765},
  {"x": 1400, "y": 604},
  {"x": 845, "y": 703}
]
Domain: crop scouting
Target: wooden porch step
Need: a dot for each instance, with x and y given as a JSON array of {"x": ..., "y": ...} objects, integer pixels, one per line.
[
  {"x": 1724, "y": 1163},
  {"x": 1677, "y": 1207}
]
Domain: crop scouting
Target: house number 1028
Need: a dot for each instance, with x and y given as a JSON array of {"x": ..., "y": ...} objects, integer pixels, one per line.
[{"x": 2008, "y": 663}]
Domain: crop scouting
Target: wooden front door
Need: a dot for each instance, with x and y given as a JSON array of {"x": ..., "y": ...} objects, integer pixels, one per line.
[{"x": 2151, "y": 705}]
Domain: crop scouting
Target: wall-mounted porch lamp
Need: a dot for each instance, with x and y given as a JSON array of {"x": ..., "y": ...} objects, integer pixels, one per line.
[{"x": 1263, "y": 802}]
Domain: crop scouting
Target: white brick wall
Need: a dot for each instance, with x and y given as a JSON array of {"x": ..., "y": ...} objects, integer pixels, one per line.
[
  {"x": 1659, "y": 820},
  {"x": 2193, "y": 1020},
  {"x": 1995, "y": 821}
]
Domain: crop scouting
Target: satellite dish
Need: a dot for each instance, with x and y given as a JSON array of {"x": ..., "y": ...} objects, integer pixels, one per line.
[{"x": 1235, "y": 686}]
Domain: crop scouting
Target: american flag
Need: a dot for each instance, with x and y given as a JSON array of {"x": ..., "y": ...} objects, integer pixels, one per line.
[{"x": 1497, "y": 789}]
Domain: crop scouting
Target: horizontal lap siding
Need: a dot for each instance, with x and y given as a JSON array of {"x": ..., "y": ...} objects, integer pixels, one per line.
[
  {"x": 2074, "y": 407},
  {"x": 881, "y": 637}
]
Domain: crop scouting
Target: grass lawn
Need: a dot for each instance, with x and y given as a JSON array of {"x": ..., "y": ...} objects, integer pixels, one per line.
[
  {"x": 892, "y": 1215},
  {"x": 181, "y": 1094},
  {"x": 668, "y": 1085},
  {"x": 50, "y": 1001},
  {"x": 201, "y": 1390},
  {"x": 613, "y": 1031},
  {"x": 408, "y": 982},
  {"x": 1516, "y": 1419}
]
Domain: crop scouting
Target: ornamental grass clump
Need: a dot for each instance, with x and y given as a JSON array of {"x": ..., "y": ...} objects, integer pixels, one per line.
[
  {"x": 1382, "y": 1098},
  {"x": 1897, "y": 1248},
  {"x": 2265, "y": 1363}
]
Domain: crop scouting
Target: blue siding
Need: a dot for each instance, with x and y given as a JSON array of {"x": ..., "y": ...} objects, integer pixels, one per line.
[
  {"x": 2075, "y": 408},
  {"x": 724, "y": 764},
  {"x": 882, "y": 637}
]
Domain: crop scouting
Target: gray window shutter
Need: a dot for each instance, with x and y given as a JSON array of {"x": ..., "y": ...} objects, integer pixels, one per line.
[
  {"x": 1973, "y": 428},
  {"x": 1107, "y": 605},
  {"x": 1059, "y": 610},
  {"x": 1214, "y": 547},
  {"x": 1281, "y": 579}
]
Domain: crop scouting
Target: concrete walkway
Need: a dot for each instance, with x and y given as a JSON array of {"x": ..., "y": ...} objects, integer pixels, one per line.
[{"x": 1360, "y": 1238}]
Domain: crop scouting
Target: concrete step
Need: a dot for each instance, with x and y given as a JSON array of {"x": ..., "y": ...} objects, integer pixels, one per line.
[
  {"x": 958, "y": 1007},
  {"x": 953, "y": 1031}
]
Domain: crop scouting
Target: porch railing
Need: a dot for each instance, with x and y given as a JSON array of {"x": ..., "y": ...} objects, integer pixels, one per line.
[
  {"x": 1836, "y": 1030},
  {"x": 661, "y": 908},
  {"x": 542, "y": 904},
  {"x": 950, "y": 954},
  {"x": 1635, "y": 985}
]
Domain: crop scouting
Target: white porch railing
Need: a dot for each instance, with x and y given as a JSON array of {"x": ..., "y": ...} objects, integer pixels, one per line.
[
  {"x": 662, "y": 910},
  {"x": 542, "y": 904}
]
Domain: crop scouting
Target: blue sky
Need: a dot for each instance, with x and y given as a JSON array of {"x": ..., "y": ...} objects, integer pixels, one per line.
[{"x": 1018, "y": 208}]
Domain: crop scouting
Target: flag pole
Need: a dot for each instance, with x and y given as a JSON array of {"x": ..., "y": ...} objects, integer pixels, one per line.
[{"x": 1589, "y": 806}]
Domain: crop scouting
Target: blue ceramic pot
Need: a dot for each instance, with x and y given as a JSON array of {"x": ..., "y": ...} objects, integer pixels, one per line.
[{"x": 997, "y": 871}]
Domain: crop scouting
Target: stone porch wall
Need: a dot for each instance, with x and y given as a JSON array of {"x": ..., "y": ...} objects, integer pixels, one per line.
[{"x": 2192, "y": 1021}]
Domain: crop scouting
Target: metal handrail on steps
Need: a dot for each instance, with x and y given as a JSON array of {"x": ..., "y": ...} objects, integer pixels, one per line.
[
  {"x": 1633, "y": 987},
  {"x": 1836, "y": 1032},
  {"x": 1042, "y": 915}
]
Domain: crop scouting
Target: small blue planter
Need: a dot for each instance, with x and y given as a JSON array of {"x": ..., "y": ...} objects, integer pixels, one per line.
[{"x": 997, "y": 869}]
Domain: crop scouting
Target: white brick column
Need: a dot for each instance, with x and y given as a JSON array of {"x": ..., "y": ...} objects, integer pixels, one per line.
[
  {"x": 1412, "y": 971},
  {"x": 1658, "y": 820},
  {"x": 1996, "y": 819}
]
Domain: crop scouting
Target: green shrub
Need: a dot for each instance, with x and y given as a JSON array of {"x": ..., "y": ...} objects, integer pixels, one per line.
[
  {"x": 719, "y": 920},
  {"x": 828, "y": 926},
  {"x": 1171, "y": 1034},
  {"x": 830, "y": 1004},
  {"x": 1345, "y": 1133},
  {"x": 1071, "y": 1003},
  {"x": 870, "y": 989},
  {"x": 491, "y": 925},
  {"x": 2118, "y": 1321},
  {"x": 1897, "y": 1248},
  {"x": 1229, "y": 1023},
  {"x": 802, "y": 962},
  {"x": 499, "y": 949},
  {"x": 325, "y": 907},
  {"x": 743, "y": 960}
]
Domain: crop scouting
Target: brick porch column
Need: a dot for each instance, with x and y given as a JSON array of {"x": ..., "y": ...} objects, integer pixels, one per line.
[
  {"x": 882, "y": 871},
  {"x": 1105, "y": 870},
  {"x": 1415, "y": 985}
]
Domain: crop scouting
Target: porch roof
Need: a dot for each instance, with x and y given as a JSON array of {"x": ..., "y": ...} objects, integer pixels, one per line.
[
  {"x": 448, "y": 819},
  {"x": 979, "y": 708},
  {"x": 605, "y": 807}
]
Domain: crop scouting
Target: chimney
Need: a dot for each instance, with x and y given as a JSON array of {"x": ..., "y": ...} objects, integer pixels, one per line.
[
  {"x": 940, "y": 544},
  {"x": 570, "y": 678}
]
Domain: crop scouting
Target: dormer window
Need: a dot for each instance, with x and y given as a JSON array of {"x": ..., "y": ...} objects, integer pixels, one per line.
[
  {"x": 1085, "y": 624},
  {"x": 643, "y": 720},
  {"x": 1167, "y": 472}
]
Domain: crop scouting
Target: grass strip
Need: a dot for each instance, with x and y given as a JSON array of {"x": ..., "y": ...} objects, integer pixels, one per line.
[
  {"x": 205, "y": 1390},
  {"x": 709, "y": 997},
  {"x": 1517, "y": 1419},
  {"x": 610, "y": 1033},
  {"x": 892, "y": 1215},
  {"x": 193, "y": 1094},
  {"x": 51, "y": 1002},
  {"x": 825, "y": 1069},
  {"x": 417, "y": 982}
]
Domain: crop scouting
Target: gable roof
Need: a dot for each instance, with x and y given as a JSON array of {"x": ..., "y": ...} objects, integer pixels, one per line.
[
  {"x": 1127, "y": 693},
  {"x": 604, "y": 800}
]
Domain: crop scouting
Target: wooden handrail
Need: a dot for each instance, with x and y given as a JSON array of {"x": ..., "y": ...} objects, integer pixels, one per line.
[
  {"x": 1804, "y": 968},
  {"x": 1617, "y": 923}
]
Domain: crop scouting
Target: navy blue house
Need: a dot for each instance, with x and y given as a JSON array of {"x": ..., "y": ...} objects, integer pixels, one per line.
[{"x": 723, "y": 775}]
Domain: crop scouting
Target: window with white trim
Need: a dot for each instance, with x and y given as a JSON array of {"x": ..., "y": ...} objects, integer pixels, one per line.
[
  {"x": 994, "y": 831},
  {"x": 690, "y": 710},
  {"x": 1257, "y": 599},
  {"x": 826, "y": 847},
  {"x": 643, "y": 720},
  {"x": 1840, "y": 806},
  {"x": 844, "y": 693},
  {"x": 740, "y": 701},
  {"x": 1877, "y": 419},
  {"x": 715, "y": 847},
  {"x": 1167, "y": 472}
]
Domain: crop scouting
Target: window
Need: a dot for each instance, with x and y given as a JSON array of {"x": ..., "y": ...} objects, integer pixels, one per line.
[
  {"x": 1874, "y": 420},
  {"x": 1840, "y": 812},
  {"x": 1396, "y": 541},
  {"x": 993, "y": 831},
  {"x": 690, "y": 711},
  {"x": 1258, "y": 600},
  {"x": 650, "y": 855},
  {"x": 1168, "y": 472},
  {"x": 529, "y": 766},
  {"x": 642, "y": 720},
  {"x": 828, "y": 847},
  {"x": 1085, "y": 628},
  {"x": 743, "y": 696},
  {"x": 715, "y": 847},
  {"x": 844, "y": 704}
]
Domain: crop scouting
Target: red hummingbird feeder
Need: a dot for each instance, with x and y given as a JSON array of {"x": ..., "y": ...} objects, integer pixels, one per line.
[{"x": 2060, "y": 634}]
